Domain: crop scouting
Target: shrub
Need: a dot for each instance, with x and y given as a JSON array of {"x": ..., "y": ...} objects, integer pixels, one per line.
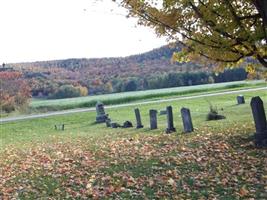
[
  {"x": 66, "y": 91},
  {"x": 213, "y": 113}
]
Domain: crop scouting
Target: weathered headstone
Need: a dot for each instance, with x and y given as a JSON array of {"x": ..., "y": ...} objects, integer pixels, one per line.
[
  {"x": 138, "y": 118},
  {"x": 127, "y": 124},
  {"x": 240, "y": 99},
  {"x": 162, "y": 112},
  {"x": 101, "y": 116},
  {"x": 260, "y": 121},
  {"x": 60, "y": 127},
  {"x": 115, "y": 125},
  {"x": 170, "y": 127},
  {"x": 187, "y": 120},
  {"x": 153, "y": 119}
]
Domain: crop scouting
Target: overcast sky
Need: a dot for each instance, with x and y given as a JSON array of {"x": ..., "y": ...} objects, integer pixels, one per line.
[{"x": 35, "y": 30}]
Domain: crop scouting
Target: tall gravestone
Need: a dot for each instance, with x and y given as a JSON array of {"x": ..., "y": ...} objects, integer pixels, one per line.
[
  {"x": 153, "y": 119},
  {"x": 170, "y": 127},
  {"x": 240, "y": 99},
  {"x": 187, "y": 120},
  {"x": 260, "y": 121},
  {"x": 138, "y": 118},
  {"x": 101, "y": 116}
]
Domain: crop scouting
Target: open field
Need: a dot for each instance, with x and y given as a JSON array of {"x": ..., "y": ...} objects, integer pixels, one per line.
[
  {"x": 126, "y": 97},
  {"x": 87, "y": 160}
]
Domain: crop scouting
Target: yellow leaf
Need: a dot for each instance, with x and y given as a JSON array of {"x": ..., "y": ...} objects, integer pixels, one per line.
[
  {"x": 57, "y": 190},
  {"x": 171, "y": 182}
]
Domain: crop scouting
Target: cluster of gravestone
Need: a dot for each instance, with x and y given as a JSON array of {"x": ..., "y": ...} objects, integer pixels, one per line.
[
  {"x": 102, "y": 117},
  {"x": 260, "y": 137}
]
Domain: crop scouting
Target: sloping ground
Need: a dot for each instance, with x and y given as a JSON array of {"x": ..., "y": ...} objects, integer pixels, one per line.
[{"x": 211, "y": 163}]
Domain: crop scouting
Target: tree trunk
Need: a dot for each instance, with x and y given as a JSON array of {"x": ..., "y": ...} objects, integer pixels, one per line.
[{"x": 261, "y": 6}]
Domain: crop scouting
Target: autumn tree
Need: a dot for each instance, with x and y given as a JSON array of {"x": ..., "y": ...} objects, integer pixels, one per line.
[
  {"x": 14, "y": 91},
  {"x": 223, "y": 31}
]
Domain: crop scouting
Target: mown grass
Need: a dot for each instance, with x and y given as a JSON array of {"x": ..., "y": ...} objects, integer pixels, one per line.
[
  {"x": 88, "y": 160},
  {"x": 82, "y": 124},
  {"x": 38, "y": 105}
]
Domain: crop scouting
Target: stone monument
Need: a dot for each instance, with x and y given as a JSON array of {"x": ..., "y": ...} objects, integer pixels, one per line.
[
  {"x": 138, "y": 118},
  {"x": 260, "y": 121},
  {"x": 101, "y": 116},
  {"x": 170, "y": 127},
  {"x": 187, "y": 120}
]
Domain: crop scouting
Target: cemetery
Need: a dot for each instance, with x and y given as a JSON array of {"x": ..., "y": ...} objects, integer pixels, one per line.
[
  {"x": 257, "y": 108},
  {"x": 133, "y": 100},
  {"x": 155, "y": 151}
]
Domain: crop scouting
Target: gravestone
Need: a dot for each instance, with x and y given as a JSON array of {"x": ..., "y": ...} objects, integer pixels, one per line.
[
  {"x": 138, "y": 118},
  {"x": 240, "y": 99},
  {"x": 170, "y": 127},
  {"x": 187, "y": 120},
  {"x": 60, "y": 127},
  {"x": 115, "y": 125},
  {"x": 162, "y": 112},
  {"x": 153, "y": 119},
  {"x": 260, "y": 121},
  {"x": 101, "y": 116},
  {"x": 127, "y": 124}
]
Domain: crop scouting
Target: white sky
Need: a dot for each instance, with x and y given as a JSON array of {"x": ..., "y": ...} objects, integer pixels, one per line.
[{"x": 35, "y": 30}]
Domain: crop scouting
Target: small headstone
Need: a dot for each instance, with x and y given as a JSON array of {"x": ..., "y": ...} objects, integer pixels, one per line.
[
  {"x": 60, "y": 127},
  {"x": 153, "y": 119},
  {"x": 170, "y": 127},
  {"x": 240, "y": 99},
  {"x": 162, "y": 112},
  {"x": 127, "y": 124},
  {"x": 101, "y": 116},
  {"x": 115, "y": 125},
  {"x": 260, "y": 121},
  {"x": 138, "y": 118},
  {"x": 187, "y": 120}
]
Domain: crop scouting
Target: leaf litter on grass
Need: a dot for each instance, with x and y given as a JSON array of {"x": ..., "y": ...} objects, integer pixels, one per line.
[{"x": 207, "y": 164}]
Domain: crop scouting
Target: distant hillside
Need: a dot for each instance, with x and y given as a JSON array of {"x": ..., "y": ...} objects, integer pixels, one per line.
[{"x": 106, "y": 75}]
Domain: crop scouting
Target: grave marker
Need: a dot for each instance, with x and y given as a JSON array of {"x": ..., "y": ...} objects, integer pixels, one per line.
[
  {"x": 240, "y": 99},
  {"x": 138, "y": 118},
  {"x": 260, "y": 121},
  {"x": 187, "y": 120},
  {"x": 153, "y": 119},
  {"x": 170, "y": 127},
  {"x": 101, "y": 117}
]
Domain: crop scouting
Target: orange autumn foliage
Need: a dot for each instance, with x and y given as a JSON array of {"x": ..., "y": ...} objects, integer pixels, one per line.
[{"x": 14, "y": 91}]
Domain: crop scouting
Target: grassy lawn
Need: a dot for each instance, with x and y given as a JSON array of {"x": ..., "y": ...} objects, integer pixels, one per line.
[
  {"x": 87, "y": 160},
  {"x": 42, "y": 105}
]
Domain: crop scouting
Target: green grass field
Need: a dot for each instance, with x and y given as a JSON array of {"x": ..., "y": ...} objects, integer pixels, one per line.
[
  {"x": 39, "y": 105},
  {"x": 88, "y": 160}
]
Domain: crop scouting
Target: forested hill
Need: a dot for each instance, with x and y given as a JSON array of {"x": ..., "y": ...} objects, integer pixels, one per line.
[
  {"x": 149, "y": 60},
  {"x": 150, "y": 70}
]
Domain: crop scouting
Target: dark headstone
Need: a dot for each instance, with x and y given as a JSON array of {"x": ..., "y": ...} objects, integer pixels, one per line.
[
  {"x": 170, "y": 127},
  {"x": 260, "y": 121},
  {"x": 187, "y": 120},
  {"x": 162, "y": 112},
  {"x": 138, "y": 118},
  {"x": 127, "y": 124},
  {"x": 60, "y": 127},
  {"x": 153, "y": 119},
  {"x": 115, "y": 125},
  {"x": 240, "y": 99},
  {"x": 101, "y": 117}
]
